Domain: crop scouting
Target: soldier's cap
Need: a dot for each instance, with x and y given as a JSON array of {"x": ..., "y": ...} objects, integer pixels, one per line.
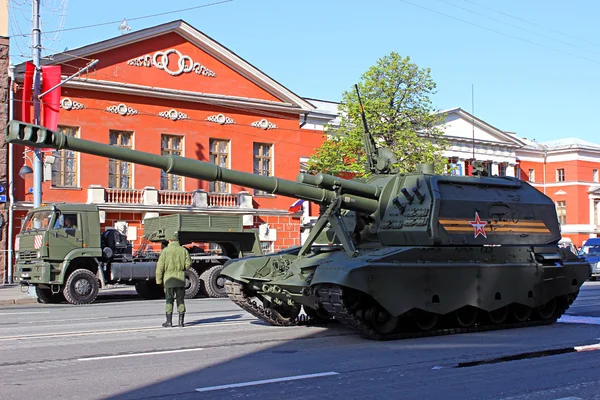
[{"x": 173, "y": 236}]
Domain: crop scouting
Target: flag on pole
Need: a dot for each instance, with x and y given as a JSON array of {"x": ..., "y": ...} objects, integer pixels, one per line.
[
  {"x": 51, "y": 100},
  {"x": 296, "y": 206},
  {"x": 27, "y": 90}
]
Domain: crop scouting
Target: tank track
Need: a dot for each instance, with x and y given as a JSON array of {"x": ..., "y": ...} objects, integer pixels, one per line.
[
  {"x": 331, "y": 300},
  {"x": 235, "y": 291}
]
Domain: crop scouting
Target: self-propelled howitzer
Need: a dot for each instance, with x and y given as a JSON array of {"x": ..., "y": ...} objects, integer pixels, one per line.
[{"x": 412, "y": 252}]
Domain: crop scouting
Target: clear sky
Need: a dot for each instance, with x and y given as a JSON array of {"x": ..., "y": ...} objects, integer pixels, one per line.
[{"x": 533, "y": 63}]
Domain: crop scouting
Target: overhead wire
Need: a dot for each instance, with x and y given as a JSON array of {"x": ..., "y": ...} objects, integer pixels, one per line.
[
  {"x": 143, "y": 17},
  {"x": 500, "y": 32},
  {"x": 518, "y": 27},
  {"x": 531, "y": 23}
]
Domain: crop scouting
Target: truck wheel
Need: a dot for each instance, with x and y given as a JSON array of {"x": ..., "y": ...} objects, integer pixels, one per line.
[
  {"x": 213, "y": 284},
  {"x": 81, "y": 287},
  {"x": 192, "y": 283},
  {"x": 45, "y": 296},
  {"x": 149, "y": 290}
]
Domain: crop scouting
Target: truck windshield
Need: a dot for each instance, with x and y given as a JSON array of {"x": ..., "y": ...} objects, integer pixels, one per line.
[
  {"x": 37, "y": 221},
  {"x": 591, "y": 250}
]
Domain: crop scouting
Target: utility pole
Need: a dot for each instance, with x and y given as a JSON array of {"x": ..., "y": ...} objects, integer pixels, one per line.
[{"x": 37, "y": 88}]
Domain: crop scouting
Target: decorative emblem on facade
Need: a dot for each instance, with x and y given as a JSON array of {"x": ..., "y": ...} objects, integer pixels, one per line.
[
  {"x": 220, "y": 119},
  {"x": 121, "y": 109},
  {"x": 264, "y": 124},
  {"x": 173, "y": 115},
  {"x": 560, "y": 192},
  {"x": 68, "y": 104},
  {"x": 160, "y": 60}
]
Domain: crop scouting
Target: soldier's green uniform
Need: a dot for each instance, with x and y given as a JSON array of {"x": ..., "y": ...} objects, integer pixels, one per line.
[{"x": 170, "y": 270}]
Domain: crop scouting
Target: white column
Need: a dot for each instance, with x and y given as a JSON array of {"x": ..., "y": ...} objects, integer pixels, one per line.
[
  {"x": 592, "y": 222},
  {"x": 597, "y": 212},
  {"x": 494, "y": 168},
  {"x": 510, "y": 170}
]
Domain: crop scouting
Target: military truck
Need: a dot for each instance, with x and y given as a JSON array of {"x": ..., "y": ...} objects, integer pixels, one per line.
[{"x": 62, "y": 252}]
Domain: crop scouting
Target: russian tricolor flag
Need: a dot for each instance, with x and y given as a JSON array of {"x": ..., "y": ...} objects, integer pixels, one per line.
[{"x": 297, "y": 206}]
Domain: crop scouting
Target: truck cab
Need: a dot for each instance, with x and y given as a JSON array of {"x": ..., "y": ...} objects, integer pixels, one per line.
[{"x": 54, "y": 240}]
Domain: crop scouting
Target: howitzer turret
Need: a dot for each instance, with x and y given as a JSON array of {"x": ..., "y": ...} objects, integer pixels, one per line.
[{"x": 411, "y": 250}]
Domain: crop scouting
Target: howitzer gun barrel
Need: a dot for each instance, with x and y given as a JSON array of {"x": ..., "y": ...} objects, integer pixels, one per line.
[
  {"x": 40, "y": 137},
  {"x": 331, "y": 182}
]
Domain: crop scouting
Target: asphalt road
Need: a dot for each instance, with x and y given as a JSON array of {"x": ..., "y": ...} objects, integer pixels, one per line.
[{"x": 118, "y": 350}]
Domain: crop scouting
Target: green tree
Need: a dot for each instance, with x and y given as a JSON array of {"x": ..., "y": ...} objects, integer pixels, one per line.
[{"x": 396, "y": 98}]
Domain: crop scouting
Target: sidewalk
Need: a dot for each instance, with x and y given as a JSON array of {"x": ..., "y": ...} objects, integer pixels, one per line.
[{"x": 11, "y": 294}]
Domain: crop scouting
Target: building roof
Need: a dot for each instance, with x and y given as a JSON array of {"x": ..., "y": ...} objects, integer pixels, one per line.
[
  {"x": 199, "y": 39},
  {"x": 570, "y": 143}
]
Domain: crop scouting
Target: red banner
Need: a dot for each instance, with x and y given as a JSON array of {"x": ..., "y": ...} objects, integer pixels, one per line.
[
  {"x": 51, "y": 101},
  {"x": 27, "y": 89}
]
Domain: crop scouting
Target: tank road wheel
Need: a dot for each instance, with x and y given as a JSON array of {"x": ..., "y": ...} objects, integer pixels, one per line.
[
  {"x": 286, "y": 315},
  {"x": 319, "y": 315},
  {"x": 81, "y": 287},
  {"x": 520, "y": 312},
  {"x": 45, "y": 296},
  {"x": 466, "y": 316},
  {"x": 192, "y": 283},
  {"x": 546, "y": 311},
  {"x": 380, "y": 320},
  {"x": 497, "y": 316},
  {"x": 214, "y": 285},
  {"x": 423, "y": 320}
]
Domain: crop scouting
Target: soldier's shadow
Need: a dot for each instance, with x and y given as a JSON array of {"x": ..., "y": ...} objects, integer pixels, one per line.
[{"x": 213, "y": 319}]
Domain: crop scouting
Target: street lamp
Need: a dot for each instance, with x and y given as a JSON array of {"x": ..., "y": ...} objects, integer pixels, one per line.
[{"x": 25, "y": 170}]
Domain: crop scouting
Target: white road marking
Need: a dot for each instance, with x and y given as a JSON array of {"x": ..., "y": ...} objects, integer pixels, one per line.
[
  {"x": 151, "y": 353},
  {"x": 265, "y": 381},
  {"x": 589, "y": 347},
  {"x": 102, "y": 332},
  {"x": 570, "y": 398},
  {"x": 27, "y": 312},
  {"x": 579, "y": 319}
]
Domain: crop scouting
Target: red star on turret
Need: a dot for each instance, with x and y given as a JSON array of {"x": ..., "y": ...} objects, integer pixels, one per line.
[{"x": 478, "y": 225}]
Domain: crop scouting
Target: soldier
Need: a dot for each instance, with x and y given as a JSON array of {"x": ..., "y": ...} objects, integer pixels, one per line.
[{"x": 170, "y": 269}]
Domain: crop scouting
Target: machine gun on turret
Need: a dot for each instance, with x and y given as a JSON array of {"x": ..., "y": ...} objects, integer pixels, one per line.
[{"x": 380, "y": 160}]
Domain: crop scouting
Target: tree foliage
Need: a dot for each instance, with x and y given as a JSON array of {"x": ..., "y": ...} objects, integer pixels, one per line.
[{"x": 396, "y": 97}]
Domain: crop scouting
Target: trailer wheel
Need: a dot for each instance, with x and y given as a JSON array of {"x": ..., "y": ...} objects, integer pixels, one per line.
[
  {"x": 192, "y": 283},
  {"x": 149, "y": 290},
  {"x": 81, "y": 287},
  {"x": 214, "y": 285},
  {"x": 45, "y": 296}
]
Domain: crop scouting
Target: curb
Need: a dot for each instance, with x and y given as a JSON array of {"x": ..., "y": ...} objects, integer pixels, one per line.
[{"x": 10, "y": 302}]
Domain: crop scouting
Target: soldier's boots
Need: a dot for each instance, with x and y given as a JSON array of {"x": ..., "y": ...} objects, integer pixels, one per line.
[
  {"x": 169, "y": 321},
  {"x": 181, "y": 317}
]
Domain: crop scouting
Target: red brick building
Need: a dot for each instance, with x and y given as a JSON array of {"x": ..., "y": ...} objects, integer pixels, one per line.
[
  {"x": 567, "y": 171},
  {"x": 170, "y": 89}
]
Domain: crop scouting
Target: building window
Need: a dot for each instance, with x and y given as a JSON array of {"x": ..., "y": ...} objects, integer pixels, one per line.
[
  {"x": 595, "y": 175},
  {"x": 170, "y": 145},
  {"x": 267, "y": 247},
  {"x": 531, "y": 175},
  {"x": 119, "y": 172},
  {"x": 502, "y": 169},
  {"x": 560, "y": 175},
  {"x": 64, "y": 169},
  {"x": 262, "y": 162},
  {"x": 561, "y": 210},
  {"x": 219, "y": 155}
]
